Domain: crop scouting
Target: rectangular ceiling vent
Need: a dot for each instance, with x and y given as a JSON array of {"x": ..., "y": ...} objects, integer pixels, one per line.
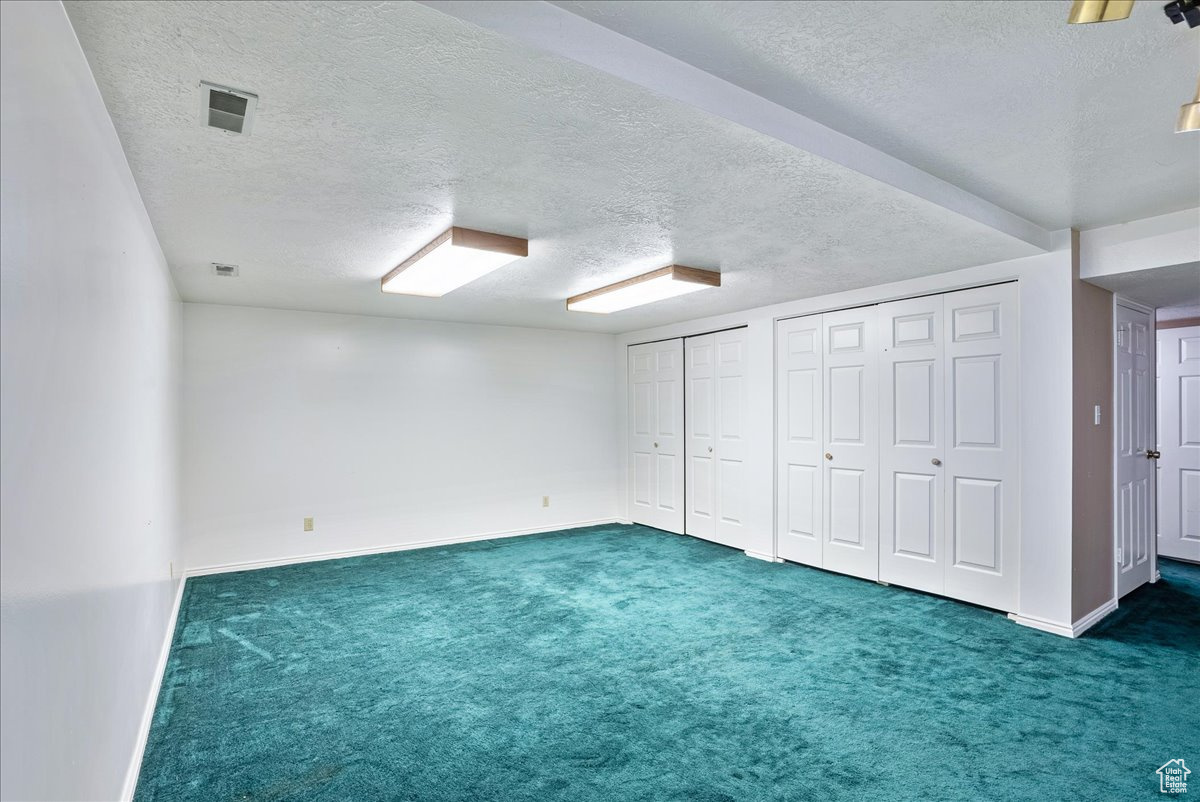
[
  {"x": 229, "y": 271},
  {"x": 230, "y": 110}
]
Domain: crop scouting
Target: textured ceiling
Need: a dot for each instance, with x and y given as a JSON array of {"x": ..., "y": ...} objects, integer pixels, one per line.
[
  {"x": 1066, "y": 125},
  {"x": 1176, "y": 285},
  {"x": 379, "y": 124}
]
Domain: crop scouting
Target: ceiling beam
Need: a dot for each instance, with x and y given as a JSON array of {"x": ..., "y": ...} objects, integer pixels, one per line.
[{"x": 555, "y": 30}]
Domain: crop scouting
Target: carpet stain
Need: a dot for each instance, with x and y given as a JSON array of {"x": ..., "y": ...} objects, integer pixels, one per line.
[{"x": 622, "y": 663}]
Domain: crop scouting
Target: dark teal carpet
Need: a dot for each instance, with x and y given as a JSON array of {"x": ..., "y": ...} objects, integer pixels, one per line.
[{"x": 621, "y": 663}]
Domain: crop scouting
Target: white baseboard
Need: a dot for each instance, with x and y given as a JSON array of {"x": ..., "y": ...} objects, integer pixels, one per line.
[
  {"x": 139, "y": 748},
  {"x": 764, "y": 557},
  {"x": 1093, "y": 618},
  {"x": 420, "y": 544},
  {"x": 1076, "y": 629},
  {"x": 1042, "y": 624}
]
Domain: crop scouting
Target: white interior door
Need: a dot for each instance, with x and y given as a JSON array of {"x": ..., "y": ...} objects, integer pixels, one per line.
[
  {"x": 1134, "y": 421},
  {"x": 851, "y": 425},
  {"x": 732, "y": 395},
  {"x": 800, "y": 427},
  {"x": 656, "y": 471},
  {"x": 912, "y": 444},
  {"x": 981, "y": 465},
  {"x": 1179, "y": 443},
  {"x": 716, "y": 403},
  {"x": 700, "y": 416}
]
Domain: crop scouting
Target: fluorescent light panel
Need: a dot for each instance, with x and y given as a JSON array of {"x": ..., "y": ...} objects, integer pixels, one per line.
[
  {"x": 658, "y": 285},
  {"x": 458, "y": 256}
]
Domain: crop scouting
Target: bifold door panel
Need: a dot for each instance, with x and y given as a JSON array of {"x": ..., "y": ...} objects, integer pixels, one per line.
[
  {"x": 912, "y": 452},
  {"x": 983, "y": 452},
  {"x": 656, "y": 436},
  {"x": 850, "y": 477},
  {"x": 714, "y": 411},
  {"x": 800, "y": 422},
  {"x": 911, "y": 475}
]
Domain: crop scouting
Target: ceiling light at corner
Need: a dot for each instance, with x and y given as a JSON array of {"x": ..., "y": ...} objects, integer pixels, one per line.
[
  {"x": 657, "y": 285},
  {"x": 1189, "y": 114},
  {"x": 1083, "y": 11},
  {"x": 456, "y": 257}
]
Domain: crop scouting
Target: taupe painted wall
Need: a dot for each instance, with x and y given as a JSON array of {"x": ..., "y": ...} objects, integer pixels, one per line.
[{"x": 1092, "y": 552}]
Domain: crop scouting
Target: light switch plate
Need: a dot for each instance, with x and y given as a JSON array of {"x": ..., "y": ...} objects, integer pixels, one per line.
[{"x": 308, "y": 524}]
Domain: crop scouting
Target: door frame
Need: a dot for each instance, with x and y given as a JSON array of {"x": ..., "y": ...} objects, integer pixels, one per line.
[{"x": 1120, "y": 300}]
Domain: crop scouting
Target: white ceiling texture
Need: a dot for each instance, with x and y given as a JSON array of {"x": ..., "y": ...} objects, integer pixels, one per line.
[{"x": 799, "y": 148}]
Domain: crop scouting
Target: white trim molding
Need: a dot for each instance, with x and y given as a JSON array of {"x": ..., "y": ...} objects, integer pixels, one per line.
[
  {"x": 139, "y": 748},
  {"x": 1075, "y": 629},
  {"x": 254, "y": 565},
  {"x": 764, "y": 557}
]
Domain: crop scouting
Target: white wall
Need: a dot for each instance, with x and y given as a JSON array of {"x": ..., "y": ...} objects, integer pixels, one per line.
[
  {"x": 388, "y": 432},
  {"x": 1153, "y": 242},
  {"x": 89, "y": 355},
  {"x": 1046, "y": 392}
]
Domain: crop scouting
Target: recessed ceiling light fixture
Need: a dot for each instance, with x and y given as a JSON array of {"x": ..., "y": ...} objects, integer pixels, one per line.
[
  {"x": 1099, "y": 11},
  {"x": 456, "y": 257},
  {"x": 1189, "y": 114},
  {"x": 666, "y": 282}
]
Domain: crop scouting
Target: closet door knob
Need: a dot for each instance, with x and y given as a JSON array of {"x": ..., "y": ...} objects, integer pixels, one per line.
[
  {"x": 710, "y": 449},
  {"x": 1153, "y": 454},
  {"x": 936, "y": 461},
  {"x": 828, "y": 455},
  {"x": 656, "y": 445}
]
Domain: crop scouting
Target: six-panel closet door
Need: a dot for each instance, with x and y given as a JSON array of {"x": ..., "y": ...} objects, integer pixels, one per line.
[
  {"x": 983, "y": 451},
  {"x": 656, "y": 469},
  {"x": 714, "y": 412},
  {"x": 898, "y": 443},
  {"x": 850, "y": 519},
  {"x": 801, "y": 426},
  {"x": 912, "y": 451}
]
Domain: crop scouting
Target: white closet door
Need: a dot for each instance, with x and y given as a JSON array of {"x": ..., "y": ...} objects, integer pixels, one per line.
[
  {"x": 701, "y": 422},
  {"x": 656, "y": 435},
  {"x": 1179, "y": 443},
  {"x": 851, "y": 475},
  {"x": 732, "y": 401},
  {"x": 981, "y": 458},
  {"x": 912, "y": 444},
  {"x": 800, "y": 425},
  {"x": 715, "y": 407}
]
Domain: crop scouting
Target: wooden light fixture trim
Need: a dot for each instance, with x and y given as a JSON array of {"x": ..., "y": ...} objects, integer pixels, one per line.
[
  {"x": 692, "y": 275},
  {"x": 466, "y": 238}
]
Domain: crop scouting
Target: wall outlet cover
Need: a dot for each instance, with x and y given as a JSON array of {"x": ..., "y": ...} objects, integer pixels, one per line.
[{"x": 308, "y": 524}]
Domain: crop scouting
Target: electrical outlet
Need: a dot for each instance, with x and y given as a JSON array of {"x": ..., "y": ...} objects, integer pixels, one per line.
[
  {"x": 545, "y": 501},
  {"x": 308, "y": 524}
]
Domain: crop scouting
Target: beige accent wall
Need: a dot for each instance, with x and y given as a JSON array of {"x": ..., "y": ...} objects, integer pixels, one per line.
[{"x": 1092, "y": 551}]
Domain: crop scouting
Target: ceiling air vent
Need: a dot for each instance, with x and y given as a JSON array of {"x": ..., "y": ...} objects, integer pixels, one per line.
[
  {"x": 229, "y": 271},
  {"x": 230, "y": 110}
]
